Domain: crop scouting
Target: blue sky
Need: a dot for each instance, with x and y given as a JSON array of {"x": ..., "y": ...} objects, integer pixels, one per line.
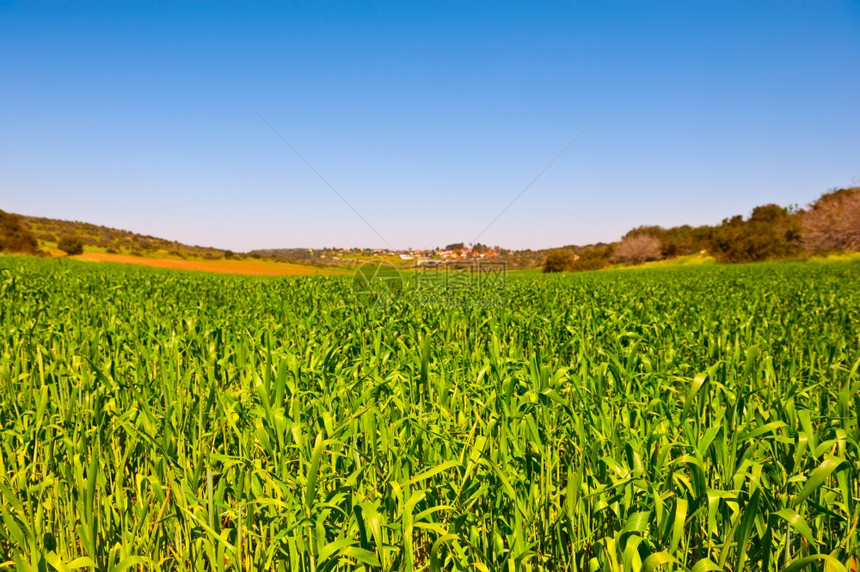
[{"x": 428, "y": 117}]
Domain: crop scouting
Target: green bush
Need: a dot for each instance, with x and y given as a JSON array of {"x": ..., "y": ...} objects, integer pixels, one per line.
[
  {"x": 71, "y": 245},
  {"x": 558, "y": 260}
]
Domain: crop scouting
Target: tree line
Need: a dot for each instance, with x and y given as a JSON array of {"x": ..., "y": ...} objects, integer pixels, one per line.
[{"x": 830, "y": 224}]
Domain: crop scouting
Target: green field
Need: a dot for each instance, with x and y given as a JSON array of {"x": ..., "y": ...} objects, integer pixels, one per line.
[{"x": 690, "y": 418}]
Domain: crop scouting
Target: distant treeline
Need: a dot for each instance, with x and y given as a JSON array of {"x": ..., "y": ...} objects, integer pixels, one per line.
[{"x": 830, "y": 224}]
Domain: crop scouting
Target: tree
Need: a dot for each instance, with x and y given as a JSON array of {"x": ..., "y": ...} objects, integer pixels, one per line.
[
  {"x": 771, "y": 231},
  {"x": 768, "y": 213},
  {"x": 14, "y": 237},
  {"x": 558, "y": 260},
  {"x": 832, "y": 222},
  {"x": 71, "y": 245},
  {"x": 638, "y": 248},
  {"x": 681, "y": 241}
]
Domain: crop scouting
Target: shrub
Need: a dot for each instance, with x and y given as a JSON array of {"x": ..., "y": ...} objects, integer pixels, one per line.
[
  {"x": 638, "y": 248},
  {"x": 833, "y": 222},
  {"x": 71, "y": 245},
  {"x": 558, "y": 260}
]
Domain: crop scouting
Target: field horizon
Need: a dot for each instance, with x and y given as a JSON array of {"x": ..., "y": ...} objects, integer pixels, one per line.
[{"x": 826, "y": 230}]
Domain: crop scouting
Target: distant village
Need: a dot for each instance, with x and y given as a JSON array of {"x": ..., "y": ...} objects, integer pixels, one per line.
[
  {"x": 346, "y": 257},
  {"x": 417, "y": 257}
]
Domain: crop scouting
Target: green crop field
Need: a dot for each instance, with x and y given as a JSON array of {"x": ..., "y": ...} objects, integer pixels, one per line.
[{"x": 701, "y": 418}]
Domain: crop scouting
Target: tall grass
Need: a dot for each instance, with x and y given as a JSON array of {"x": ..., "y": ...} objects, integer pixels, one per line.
[{"x": 691, "y": 418}]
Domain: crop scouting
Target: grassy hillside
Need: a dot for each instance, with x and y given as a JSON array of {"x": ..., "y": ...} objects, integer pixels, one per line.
[{"x": 98, "y": 238}]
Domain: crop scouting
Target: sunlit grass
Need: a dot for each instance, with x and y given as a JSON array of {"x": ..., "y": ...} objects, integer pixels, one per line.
[{"x": 699, "y": 259}]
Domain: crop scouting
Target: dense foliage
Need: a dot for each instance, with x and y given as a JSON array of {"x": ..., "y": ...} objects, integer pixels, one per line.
[
  {"x": 71, "y": 245},
  {"x": 13, "y": 236},
  {"x": 697, "y": 418},
  {"x": 769, "y": 232},
  {"x": 559, "y": 260},
  {"x": 830, "y": 224}
]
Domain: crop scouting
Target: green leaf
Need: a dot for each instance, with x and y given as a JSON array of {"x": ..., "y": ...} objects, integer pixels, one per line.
[
  {"x": 81, "y": 562},
  {"x": 818, "y": 477},
  {"x": 745, "y": 530},
  {"x": 435, "y": 564},
  {"x": 658, "y": 559},
  {"x": 768, "y": 428},
  {"x": 698, "y": 381},
  {"x": 313, "y": 471},
  {"x": 705, "y": 565},
  {"x": 362, "y": 555},
  {"x": 430, "y": 472},
  {"x": 678, "y": 523},
  {"x": 54, "y": 560},
  {"x": 802, "y": 563},
  {"x": 798, "y": 522},
  {"x": 332, "y": 547},
  {"x": 130, "y": 561}
]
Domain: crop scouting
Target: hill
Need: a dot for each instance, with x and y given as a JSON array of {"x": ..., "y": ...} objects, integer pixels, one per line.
[
  {"x": 36, "y": 235},
  {"x": 98, "y": 238},
  {"x": 14, "y": 236}
]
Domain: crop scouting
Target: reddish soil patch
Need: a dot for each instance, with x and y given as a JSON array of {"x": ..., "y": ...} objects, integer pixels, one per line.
[{"x": 255, "y": 267}]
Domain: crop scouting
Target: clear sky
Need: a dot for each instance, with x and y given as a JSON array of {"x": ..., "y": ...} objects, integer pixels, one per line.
[{"x": 427, "y": 117}]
